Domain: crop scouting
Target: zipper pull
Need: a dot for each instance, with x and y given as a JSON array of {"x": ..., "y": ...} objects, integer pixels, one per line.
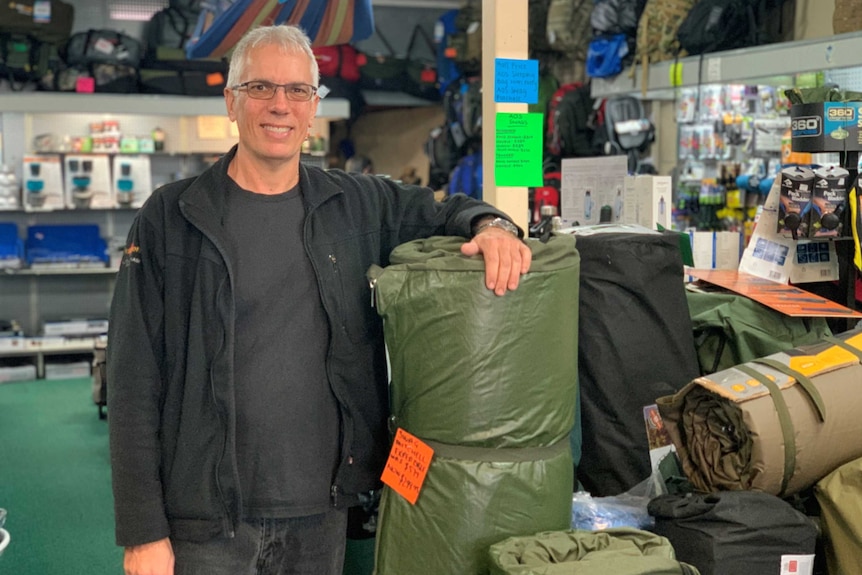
[
  {"x": 372, "y": 275},
  {"x": 372, "y": 283},
  {"x": 333, "y": 493}
]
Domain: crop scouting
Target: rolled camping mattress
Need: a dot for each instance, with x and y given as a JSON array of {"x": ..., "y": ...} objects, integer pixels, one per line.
[
  {"x": 777, "y": 424},
  {"x": 490, "y": 383},
  {"x": 617, "y": 551}
]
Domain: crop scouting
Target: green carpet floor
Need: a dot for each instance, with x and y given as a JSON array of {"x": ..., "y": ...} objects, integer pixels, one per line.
[{"x": 55, "y": 481}]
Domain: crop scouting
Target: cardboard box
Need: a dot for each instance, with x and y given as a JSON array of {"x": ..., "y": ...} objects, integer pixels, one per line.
[
  {"x": 715, "y": 250},
  {"x": 132, "y": 180},
  {"x": 43, "y": 183},
  {"x": 88, "y": 182},
  {"x": 654, "y": 201}
]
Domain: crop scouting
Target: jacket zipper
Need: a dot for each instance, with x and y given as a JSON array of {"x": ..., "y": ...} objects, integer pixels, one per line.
[
  {"x": 333, "y": 490},
  {"x": 228, "y": 521}
]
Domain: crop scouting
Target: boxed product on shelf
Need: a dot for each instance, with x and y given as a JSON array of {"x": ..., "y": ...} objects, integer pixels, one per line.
[
  {"x": 67, "y": 370},
  {"x": 132, "y": 180},
  {"x": 88, "y": 181},
  {"x": 11, "y": 246},
  {"x": 62, "y": 245},
  {"x": 12, "y": 343},
  {"x": 10, "y": 191},
  {"x": 75, "y": 327},
  {"x": 43, "y": 183},
  {"x": 12, "y": 373}
]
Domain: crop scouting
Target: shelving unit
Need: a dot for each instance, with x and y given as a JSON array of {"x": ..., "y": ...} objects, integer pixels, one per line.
[
  {"x": 33, "y": 296},
  {"x": 769, "y": 64}
]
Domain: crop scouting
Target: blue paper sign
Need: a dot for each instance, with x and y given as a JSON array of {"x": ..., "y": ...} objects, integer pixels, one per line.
[{"x": 516, "y": 81}]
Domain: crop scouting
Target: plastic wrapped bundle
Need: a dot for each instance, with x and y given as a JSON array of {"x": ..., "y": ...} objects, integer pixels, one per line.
[{"x": 490, "y": 383}]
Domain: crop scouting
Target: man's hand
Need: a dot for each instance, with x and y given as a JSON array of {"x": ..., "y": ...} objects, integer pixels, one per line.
[
  {"x": 507, "y": 258},
  {"x": 156, "y": 558}
]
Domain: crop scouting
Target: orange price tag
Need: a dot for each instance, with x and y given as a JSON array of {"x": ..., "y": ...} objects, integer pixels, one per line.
[
  {"x": 215, "y": 79},
  {"x": 407, "y": 465}
]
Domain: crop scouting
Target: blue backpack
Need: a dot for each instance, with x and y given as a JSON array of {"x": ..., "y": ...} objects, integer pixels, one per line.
[{"x": 467, "y": 176}]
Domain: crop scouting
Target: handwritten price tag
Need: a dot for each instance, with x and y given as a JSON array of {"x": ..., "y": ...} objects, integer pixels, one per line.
[{"x": 407, "y": 465}]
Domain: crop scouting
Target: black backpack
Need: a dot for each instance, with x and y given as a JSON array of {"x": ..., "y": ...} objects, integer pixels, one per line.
[
  {"x": 573, "y": 125},
  {"x": 715, "y": 25},
  {"x": 168, "y": 31}
]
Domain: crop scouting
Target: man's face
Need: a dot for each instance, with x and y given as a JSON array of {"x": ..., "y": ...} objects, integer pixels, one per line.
[{"x": 273, "y": 130}]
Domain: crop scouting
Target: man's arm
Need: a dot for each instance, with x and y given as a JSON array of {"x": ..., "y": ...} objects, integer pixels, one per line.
[{"x": 156, "y": 558}]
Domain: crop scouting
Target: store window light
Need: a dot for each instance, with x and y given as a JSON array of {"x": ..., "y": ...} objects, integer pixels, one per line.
[{"x": 139, "y": 10}]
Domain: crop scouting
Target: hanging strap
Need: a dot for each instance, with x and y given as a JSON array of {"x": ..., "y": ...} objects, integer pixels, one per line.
[
  {"x": 419, "y": 31},
  {"x": 803, "y": 381},
  {"x": 784, "y": 421},
  {"x": 498, "y": 455}
]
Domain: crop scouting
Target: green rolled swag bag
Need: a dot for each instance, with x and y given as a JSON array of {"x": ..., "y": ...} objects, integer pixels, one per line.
[
  {"x": 618, "y": 551},
  {"x": 490, "y": 383}
]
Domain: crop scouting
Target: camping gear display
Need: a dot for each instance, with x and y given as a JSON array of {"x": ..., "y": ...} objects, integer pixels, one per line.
[
  {"x": 840, "y": 497},
  {"x": 490, "y": 384},
  {"x": 777, "y": 424},
  {"x": 618, "y": 551},
  {"x": 734, "y": 531},
  {"x": 730, "y": 329},
  {"x": 635, "y": 344}
]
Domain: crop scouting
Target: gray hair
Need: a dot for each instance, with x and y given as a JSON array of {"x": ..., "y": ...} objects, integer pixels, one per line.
[{"x": 290, "y": 39}]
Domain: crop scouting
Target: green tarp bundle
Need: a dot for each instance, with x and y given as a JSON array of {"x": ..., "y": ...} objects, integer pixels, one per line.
[
  {"x": 490, "y": 383},
  {"x": 619, "y": 551},
  {"x": 730, "y": 329},
  {"x": 840, "y": 497}
]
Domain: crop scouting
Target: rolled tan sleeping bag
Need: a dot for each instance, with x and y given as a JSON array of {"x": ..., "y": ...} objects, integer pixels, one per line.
[{"x": 777, "y": 424}]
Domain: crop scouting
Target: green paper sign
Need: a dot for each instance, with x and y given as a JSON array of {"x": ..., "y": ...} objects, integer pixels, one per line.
[{"x": 518, "y": 158}]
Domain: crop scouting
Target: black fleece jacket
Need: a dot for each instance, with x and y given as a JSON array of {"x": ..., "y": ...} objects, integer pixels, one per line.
[{"x": 171, "y": 343}]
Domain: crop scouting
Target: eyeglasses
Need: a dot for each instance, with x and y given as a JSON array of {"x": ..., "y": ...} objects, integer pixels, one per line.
[{"x": 263, "y": 90}]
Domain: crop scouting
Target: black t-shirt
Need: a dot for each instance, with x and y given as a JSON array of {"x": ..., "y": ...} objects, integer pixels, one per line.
[{"x": 287, "y": 417}]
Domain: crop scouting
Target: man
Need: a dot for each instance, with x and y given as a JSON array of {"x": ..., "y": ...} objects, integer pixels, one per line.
[{"x": 247, "y": 383}]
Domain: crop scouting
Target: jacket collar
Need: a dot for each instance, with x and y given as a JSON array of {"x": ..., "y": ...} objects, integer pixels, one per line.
[{"x": 205, "y": 197}]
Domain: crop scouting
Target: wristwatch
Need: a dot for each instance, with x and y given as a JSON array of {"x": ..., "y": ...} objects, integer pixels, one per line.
[{"x": 497, "y": 222}]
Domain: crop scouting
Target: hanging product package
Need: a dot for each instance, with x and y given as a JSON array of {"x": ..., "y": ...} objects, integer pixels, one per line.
[
  {"x": 490, "y": 383},
  {"x": 777, "y": 424}
]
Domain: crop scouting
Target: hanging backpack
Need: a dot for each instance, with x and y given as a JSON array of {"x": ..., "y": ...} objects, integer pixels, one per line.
[
  {"x": 714, "y": 25},
  {"x": 572, "y": 121},
  {"x": 447, "y": 69},
  {"x": 464, "y": 43},
  {"x": 168, "y": 31},
  {"x": 568, "y": 27},
  {"x": 462, "y": 105},
  {"x": 467, "y": 177},
  {"x": 442, "y": 152},
  {"x": 657, "y": 32}
]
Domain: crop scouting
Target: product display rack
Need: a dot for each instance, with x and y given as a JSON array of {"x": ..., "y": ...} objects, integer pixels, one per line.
[
  {"x": 769, "y": 64},
  {"x": 35, "y": 295}
]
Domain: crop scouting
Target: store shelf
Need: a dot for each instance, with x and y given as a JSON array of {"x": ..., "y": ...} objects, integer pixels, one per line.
[
  {"x": 60, "y": 271},
  {"x": 139, "y": 104},
  {"x": 755, "y": 65},
  {"x": 395, "y": 99}
]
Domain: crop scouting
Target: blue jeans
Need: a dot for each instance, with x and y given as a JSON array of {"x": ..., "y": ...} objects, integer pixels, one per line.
[{"x": 312, "y": 545}]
